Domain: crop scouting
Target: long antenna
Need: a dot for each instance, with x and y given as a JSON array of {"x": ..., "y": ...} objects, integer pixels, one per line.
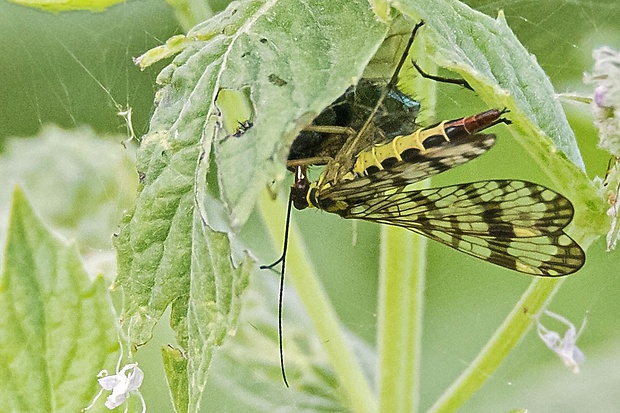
[
  {"x": 281, "y": 296},
  {"x": 282, "y": 260}
]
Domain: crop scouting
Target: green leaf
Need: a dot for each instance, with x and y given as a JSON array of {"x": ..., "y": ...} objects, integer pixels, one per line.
[
  {"x": 296, "y": 58},
  {"x": 205, "y": 293},
  {"x": 67, "y": 5},
  {"x": 290, "y": 59},
  {"x": 496, "y": 65},
  {"x": 57, "y": 328}
]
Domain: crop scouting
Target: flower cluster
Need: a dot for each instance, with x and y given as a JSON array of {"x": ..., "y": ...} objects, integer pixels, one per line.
[
  {"x": 605, "y": 77},
  {"x": 606, "y": 100}
]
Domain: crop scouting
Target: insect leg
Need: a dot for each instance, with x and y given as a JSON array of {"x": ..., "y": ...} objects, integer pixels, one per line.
[
  {"x": 461, "y": 82},
  {"x": 330, "y": 129}
]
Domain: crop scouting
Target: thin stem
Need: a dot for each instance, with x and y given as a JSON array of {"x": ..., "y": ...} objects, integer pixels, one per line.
[
  {"x": 303, "y": 277},
  {"x": 401, "y": 303},
  {"x": 506, "y": 337},
  {"x": 402, "y": 269}
]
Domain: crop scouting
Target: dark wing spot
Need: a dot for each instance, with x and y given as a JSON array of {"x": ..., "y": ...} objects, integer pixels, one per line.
[{"x": 490, "y": 214}]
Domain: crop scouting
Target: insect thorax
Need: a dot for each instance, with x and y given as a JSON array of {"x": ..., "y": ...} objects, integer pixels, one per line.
[{"x": 395, "y": 116}]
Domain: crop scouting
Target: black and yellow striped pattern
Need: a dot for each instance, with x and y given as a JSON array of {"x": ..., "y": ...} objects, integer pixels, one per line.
[{"x": 512, "y": 223}]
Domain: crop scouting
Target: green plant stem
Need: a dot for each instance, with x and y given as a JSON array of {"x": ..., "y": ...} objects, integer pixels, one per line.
[
  {"x": 536, "y": 298},
  {"x": 505, "y": 338},
  {"x": 190, "y": 12},
  {"x": 303, "y": 276},
  {"x": 402, "y": 267}
]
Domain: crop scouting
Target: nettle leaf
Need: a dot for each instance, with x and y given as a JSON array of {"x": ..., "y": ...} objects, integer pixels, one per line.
[
  {"x": 295, "y": 58},
  {"x": 486, "y": 53},
  {"x": 57, "y": 327},
  {"x": 286, "y": 60}
]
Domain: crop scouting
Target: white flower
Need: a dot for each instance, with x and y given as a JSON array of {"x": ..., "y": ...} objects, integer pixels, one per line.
[
  {"x": 126, "y": 381},
  {"x": 565, "y": 347}
]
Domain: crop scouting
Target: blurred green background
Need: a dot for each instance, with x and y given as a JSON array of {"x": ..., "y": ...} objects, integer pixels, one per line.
[{"x": 74, "y": 68}]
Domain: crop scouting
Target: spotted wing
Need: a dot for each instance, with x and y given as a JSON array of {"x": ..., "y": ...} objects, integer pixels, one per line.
[{"x": 514, "y": 224}]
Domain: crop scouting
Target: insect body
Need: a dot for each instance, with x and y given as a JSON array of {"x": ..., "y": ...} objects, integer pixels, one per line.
[
  {"x": 395, "y": 115},
  {"x": 512, "y": 223}
]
